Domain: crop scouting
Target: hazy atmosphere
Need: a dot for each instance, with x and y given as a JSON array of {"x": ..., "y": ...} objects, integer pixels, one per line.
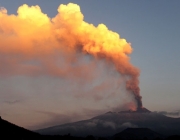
[{"x": 64, "y": 61}]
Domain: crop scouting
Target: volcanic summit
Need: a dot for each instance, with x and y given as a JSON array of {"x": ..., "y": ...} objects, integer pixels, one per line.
[{"x": 138, "y": 110}]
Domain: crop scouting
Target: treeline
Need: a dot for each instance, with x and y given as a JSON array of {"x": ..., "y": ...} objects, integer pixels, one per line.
[{"x": 68, "y": 137}]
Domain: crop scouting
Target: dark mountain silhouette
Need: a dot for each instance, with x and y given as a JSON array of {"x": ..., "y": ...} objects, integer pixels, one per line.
[
  {"x": 173, "y": 137},
  {"x": 12, "y": 131},
  {"x": 137, "y": 133},
  {"x": 111, "y": 123}
]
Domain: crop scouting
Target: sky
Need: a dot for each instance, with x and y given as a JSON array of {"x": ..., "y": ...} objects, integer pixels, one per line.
[{"x": 40, "y": 100}]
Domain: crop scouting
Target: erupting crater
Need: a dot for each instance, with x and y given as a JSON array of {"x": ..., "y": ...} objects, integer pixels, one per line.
[{"x": 138, "y": 110}]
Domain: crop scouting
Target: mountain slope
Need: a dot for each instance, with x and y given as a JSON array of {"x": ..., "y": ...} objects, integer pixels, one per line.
[
  {"x": 137, "y": 133},
  {"x": 110, "y": 123},
  {"x": 9, "y": 130}
]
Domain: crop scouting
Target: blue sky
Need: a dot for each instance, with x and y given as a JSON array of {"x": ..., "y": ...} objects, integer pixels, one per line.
[{"x": 152, "y": 27}]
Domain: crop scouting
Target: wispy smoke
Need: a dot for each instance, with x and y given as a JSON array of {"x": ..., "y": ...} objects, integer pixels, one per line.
[
  {"x": 31, "y": 43},
  {"x": 11, "y": 102},
  {"x": 175, "y": 114}
]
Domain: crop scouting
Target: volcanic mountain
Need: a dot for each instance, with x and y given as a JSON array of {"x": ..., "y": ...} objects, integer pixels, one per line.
[{"x": 111, "y": 123}]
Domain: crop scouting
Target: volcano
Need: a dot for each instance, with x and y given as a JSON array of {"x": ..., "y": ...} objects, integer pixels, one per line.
[
  {"x": 142, "y": 110},
  {"x": 138, "y": 110},
  {"x": 111, "y": 123}
]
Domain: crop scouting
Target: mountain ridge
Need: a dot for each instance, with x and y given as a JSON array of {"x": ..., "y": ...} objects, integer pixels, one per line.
[{"x": 113, "y": 122}]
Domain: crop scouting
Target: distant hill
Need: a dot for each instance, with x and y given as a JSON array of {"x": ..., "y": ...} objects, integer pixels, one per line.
[
  {"x": 137, "y": 133},
  {"x": 12, "y": 131},
  {"x": 111, "y": 123}
]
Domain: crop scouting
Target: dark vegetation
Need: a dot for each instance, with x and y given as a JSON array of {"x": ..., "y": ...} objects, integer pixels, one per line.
[{"x": 10, "y": 131}]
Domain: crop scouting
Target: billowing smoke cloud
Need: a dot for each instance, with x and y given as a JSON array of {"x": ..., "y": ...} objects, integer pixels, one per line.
[{"x": 32, "y": 43}]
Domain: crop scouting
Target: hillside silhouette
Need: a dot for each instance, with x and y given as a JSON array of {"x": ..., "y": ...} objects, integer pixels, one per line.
[{"x": 9, "y": 130}]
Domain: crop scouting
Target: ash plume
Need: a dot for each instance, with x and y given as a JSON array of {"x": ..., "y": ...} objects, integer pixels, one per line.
[{"x": 33, "y": 36}]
